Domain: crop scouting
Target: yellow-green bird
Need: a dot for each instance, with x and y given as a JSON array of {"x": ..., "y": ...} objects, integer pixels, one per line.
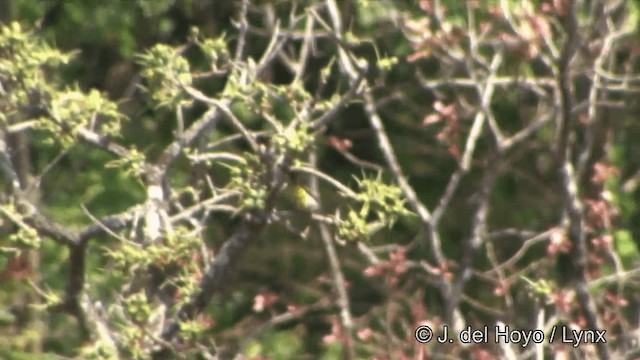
[{"x": 303, "y": 199}]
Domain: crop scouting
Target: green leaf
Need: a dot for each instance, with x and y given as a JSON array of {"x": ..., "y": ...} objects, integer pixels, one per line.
[{"x": 626, "y": 248}]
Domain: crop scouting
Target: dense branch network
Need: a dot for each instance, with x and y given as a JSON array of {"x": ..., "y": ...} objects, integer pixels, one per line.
[{"x": 482, "y": 149}]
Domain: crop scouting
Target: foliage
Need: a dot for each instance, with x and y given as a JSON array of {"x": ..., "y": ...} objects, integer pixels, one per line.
[
  {"x": 165, "y": 72},
  {"x": 451, "y": 163}
]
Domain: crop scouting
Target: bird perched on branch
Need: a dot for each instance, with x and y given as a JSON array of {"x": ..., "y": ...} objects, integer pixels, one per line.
[{"x": 302, "y": 197}]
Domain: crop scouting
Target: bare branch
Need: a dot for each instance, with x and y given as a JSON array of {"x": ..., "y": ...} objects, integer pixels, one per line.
[
  {"x": 472, "y": 244},
  {"x": 243, "y": 27},
  {"x": 225, "y": 109},
  {"x": 198, "y": 128},
  {"x": 336, "y": 272},
  {"x": 478, "y": 122},
  {"x": 217, "y": 274},
  {"x": 573, "y": 205},
  {"x": 102, "y": 142}
]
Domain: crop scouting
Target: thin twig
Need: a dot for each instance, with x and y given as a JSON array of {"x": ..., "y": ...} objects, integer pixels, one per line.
[
  {"x": 222, "y": 106},
  {"x": 321, "y": 175},
  {"x": 243, "y": 27},
  {"x": 336, "y": 272},
  {"x": 572, "y": 204}
]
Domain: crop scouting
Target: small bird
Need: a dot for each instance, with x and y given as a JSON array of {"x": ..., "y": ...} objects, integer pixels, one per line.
[{"x": 303, "y": 198}]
